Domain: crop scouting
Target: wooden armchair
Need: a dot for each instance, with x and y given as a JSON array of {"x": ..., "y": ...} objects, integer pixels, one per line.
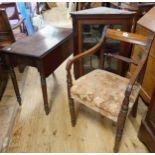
[
  {"x": 15, "y": 20},
  {"x": 6, "y": 34},
  {"x": 107, "y": 93}
]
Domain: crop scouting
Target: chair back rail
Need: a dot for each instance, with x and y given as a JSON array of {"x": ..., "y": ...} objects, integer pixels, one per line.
[{"x": 127, "y": 37}]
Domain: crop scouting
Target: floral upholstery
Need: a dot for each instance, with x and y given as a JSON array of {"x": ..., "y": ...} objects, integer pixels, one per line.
[{"x": 103, "y": 92}]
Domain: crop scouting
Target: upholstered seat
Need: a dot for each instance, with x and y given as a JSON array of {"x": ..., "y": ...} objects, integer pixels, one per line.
[{"x": 103, "y": 92}]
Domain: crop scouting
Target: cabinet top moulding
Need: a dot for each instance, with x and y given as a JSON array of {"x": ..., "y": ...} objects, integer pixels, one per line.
[{"x": 100, "y": 11}]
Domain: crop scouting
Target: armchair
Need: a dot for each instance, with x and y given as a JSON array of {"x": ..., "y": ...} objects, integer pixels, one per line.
[
  {"x": 15, "y": 20},
  {"x": 107, "y": 93}
]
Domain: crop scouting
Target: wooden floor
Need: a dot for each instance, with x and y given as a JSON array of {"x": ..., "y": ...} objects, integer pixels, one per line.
[
  {"x": 36, "y": 132},
  {"x": 8, "y": 109}
]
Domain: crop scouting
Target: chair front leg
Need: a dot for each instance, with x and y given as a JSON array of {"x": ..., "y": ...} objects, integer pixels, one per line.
[
  {"x": 72, "y": 111},
  {"x": 71, "y": 101},
  {"x": 120, "y": 124}
]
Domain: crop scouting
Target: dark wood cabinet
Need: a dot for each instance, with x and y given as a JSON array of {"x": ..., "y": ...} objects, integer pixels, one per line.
[
  {"x": 99, "y": 16},
  {"x": 147, "y": 129}
]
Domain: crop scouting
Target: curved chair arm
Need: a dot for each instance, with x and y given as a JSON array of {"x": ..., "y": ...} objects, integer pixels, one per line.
[
  {"x": 18, "y": 24},
  {"x": 88, "y": 52},
  {"x": 79, "y": 57},
  {"x": 82, "y": 55}
]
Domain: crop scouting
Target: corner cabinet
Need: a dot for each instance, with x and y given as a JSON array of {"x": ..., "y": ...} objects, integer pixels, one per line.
[{"x": 98, "y": 17}]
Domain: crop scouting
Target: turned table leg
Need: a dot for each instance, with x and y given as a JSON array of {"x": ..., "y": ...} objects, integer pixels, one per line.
[
  {"x": 14, "y": 81},
  {"x": 44, "y": 91}
]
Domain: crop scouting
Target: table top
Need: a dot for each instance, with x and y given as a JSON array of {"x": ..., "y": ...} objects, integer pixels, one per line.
[
  {"x": 101, "y": 11},
  {"x": 40, "y": 43}
]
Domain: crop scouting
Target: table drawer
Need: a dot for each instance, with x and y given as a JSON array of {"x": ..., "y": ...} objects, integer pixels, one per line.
[{"x": 57, "y": 56}]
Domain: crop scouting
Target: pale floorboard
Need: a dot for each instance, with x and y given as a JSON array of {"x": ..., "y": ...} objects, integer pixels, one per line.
[{"x": 8, "y": 108}]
